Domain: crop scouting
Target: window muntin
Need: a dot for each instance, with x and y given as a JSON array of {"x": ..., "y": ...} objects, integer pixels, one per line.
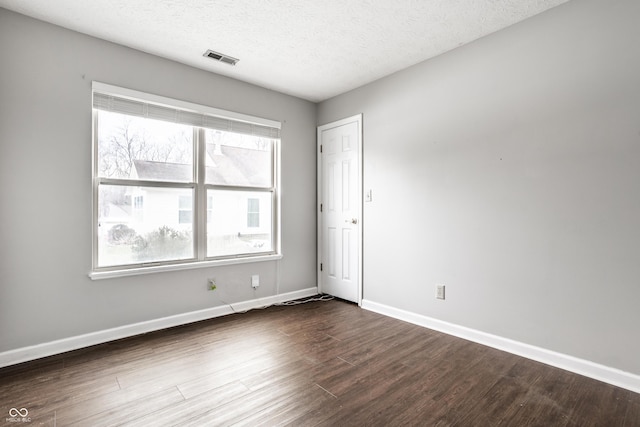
[{"x": 152, "y": 204}]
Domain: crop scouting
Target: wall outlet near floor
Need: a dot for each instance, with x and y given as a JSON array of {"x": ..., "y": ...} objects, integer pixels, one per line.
[
  {"x": 211, "y": 284},
  {"x": 255, "y": 281},
  {"x": 440, "y": 291}
]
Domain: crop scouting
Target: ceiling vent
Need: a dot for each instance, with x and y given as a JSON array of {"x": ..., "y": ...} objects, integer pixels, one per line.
[{"x": 221, "y": 57}]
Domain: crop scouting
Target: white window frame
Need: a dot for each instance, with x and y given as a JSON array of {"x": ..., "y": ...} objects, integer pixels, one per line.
[{"x": 200, "y": 259}]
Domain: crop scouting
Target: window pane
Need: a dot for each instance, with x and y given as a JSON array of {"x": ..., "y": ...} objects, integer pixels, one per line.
[
  {"x": 238, "y": 160},
  {"x": 144, "y": 149},
  {"x": 142, "y": 224},
  {"x": 228, "y": 232}
]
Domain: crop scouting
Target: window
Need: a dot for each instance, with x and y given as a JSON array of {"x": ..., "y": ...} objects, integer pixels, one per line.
[
  {"x": 253, "y": 213},
  {"x": 138, "y": 207},
  {"x": 178, "y": 183},
  {"x": 137, "y": 202},
  {"x": 209, "y": 208},
  {"x": 185, "y": 210}
]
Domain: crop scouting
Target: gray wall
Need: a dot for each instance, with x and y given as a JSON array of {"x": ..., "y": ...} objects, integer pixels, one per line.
[
  {"x": 509, "y": 170},
  {"x": 45, "y": 183}
]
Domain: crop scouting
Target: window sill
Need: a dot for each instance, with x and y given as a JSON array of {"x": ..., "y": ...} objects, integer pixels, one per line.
[{"x": 99, "y": 275}]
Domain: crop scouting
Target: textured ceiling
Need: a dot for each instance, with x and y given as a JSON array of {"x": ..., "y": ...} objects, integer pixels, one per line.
[{"x": 313, "y": 49}]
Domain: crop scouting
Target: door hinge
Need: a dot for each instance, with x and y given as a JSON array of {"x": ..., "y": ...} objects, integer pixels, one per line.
[
  {"x": 320, "y": 207},
  {"x": 320, "y": 266},
  {"x": 321, "y": 148}
]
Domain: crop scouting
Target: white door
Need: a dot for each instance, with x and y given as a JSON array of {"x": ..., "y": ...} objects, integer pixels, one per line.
[{"x": 340, "y": 209}]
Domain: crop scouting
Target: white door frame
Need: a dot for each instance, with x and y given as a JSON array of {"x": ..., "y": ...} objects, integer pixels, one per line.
[{"x": 357, "y": 118}]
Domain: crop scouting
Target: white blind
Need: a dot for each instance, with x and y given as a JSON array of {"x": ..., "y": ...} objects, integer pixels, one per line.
[{"x": 134, "y": 107}]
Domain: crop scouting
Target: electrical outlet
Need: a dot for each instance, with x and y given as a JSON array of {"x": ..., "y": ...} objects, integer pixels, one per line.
[
  {"x": 212, "y": 285},
  {"x": 440, "y": 291},
  {"x": 255, "y": 281}
]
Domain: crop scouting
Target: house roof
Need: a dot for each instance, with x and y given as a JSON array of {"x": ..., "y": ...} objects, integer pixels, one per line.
[
  {"x": 226, "y": 165},
  {"x": 147, "y": 170}
]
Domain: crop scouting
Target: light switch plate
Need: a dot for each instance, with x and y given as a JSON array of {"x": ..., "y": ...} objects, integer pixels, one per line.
[{"x": 368, "y": 197}]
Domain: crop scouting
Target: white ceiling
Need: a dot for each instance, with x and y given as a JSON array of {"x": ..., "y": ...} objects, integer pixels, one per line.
[{"x": 313, "y": 49}]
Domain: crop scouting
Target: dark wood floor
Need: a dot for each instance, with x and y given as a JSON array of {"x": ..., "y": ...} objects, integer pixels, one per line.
[{"x": 323, "y": 363}]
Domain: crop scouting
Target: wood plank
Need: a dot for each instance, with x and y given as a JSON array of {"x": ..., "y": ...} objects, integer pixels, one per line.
[
  {"x": 632, "y": 417},
  {"x": 83, "y": 407},
  {"x": 132, "y": 409},
  {"x": 195, "y": 407}
]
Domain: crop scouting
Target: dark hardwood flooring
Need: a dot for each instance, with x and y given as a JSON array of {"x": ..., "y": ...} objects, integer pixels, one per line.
[{"x": 317, "y": 364}]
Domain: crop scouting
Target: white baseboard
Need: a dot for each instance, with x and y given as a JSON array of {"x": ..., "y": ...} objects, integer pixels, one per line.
[
  {"x": 38, "y": 351},
  {"x": 583, "y": 367}
]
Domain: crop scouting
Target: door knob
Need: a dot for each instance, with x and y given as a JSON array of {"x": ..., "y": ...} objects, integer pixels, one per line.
[{"x": 352, "y": 220}]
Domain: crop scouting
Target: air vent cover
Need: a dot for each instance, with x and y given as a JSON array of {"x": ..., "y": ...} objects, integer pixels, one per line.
[{"x": 221, "y": 57}]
